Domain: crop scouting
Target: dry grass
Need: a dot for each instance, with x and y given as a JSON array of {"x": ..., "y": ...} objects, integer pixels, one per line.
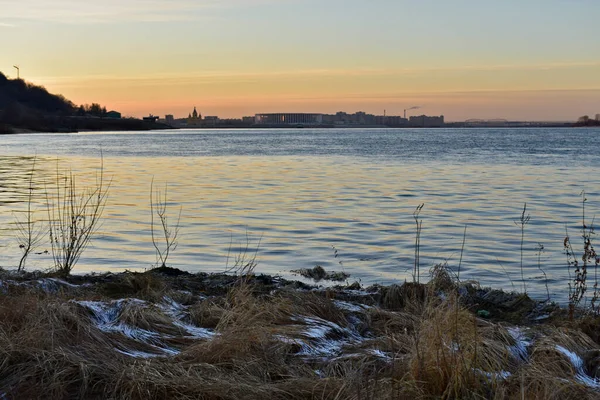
[
  {"x": 208, "y": 312},
  {"x": 414, "y": 346},
  {"x": 453, "y": 353},
  {"x": 142, "y": 286},
  {"x": 148, "y": 317}
]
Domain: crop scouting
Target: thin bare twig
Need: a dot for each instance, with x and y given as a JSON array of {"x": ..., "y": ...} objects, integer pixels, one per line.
[
  {"x": 169, "y": 233},
  {"x": 462, "y": 249},
  {"x": 29, "y": 233},
  {"x": 419, "y": 222},
  {"x": 524, "y": 220}
]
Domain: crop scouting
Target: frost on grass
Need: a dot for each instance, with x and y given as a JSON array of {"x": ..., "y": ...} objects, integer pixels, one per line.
[
  {"x": 577, "y": 362},
  {"x": 108, "y": 317},
  {"x": 520, "y": 349},
  {"x": 315, "y": 337},
  {"x": 48, "y": 285},
  {"x": 178, "y": 312},
  {"x": 350, "y": 307},
  {"x": 502, "y": 375},
  {"x": 320, "y": 338}
]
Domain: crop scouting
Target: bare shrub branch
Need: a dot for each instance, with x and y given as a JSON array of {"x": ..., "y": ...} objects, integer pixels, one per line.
[
  {"x": 524, "y": 220},
  {"x": 28, "y": 232},
  {"x": 589, "y": 257},
  {"x": 158, "y": 206},
  {"x": 73, "y": 217},
  {"x": 419, "y": 222}
]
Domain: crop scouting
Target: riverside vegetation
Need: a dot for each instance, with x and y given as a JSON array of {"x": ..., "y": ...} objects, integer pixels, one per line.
[
  {"x": 26, "y": 107},
  {"x": 169, "y": 334}
]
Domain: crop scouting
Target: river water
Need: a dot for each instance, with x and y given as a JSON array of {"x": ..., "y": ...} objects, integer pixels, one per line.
[{"x": 340, "y": 198}]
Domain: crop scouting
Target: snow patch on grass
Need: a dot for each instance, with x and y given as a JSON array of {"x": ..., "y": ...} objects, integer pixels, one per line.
[
  {"x": 577, "y": 362},
  {"x": 520, "y": 349},
  {"x": 106, "y": 317}
]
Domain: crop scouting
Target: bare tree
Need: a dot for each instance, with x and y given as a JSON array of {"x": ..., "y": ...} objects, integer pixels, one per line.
[
  {"x": 169, "y": 232},
  {"x": 73, "y": 217}
]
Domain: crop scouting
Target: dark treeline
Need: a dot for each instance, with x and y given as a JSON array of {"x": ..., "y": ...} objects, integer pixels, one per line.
[
  {"x": 587, "y": 121},
  {"x": 17, "y": 92},
  {"x": 25, "y": 106},
  {"x": 93, "y": 109}
]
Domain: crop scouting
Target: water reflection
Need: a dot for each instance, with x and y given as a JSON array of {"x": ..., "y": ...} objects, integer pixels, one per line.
[{"x": 301, "y": 206}]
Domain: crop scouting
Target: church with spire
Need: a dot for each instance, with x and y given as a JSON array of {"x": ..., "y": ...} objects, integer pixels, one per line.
[{"x": 194, "y": 119}]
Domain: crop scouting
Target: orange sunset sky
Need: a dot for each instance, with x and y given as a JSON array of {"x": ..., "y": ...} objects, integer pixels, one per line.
[{"x": 529, "y": 60}]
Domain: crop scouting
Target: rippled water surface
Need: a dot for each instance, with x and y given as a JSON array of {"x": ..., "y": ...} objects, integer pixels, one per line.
[{"x": 298, "y": 196}]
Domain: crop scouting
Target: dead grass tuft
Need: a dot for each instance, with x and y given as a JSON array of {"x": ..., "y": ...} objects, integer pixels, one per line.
[
  {"x": 145, "y": 286},
  {"x": 442, "y": 279},
  {"x": 590, "y": 325},
  {"x": 409, "y": 295},
  {"x": 208, "y": 312},
  {"x": 148, "y": 317},
  {"x": 455, "y": 356}
]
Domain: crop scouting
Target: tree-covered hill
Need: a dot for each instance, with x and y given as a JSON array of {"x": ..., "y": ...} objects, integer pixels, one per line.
[
  {"x": 15, "y": 93},
  {"x": 25, "y": 106}
]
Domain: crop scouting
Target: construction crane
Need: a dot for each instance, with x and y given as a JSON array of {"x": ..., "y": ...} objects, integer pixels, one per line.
[
  {"x": 411, "y": 108},
  {"x": 18, "y": 71}
]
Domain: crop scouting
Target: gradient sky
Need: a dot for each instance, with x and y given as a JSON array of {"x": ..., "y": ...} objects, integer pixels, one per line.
[{"x": 526, "y": 59}]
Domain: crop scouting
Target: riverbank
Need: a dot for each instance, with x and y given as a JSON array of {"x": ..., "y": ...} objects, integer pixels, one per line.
[
  {"x": 71, "y": 124},
  {"x": 170, "y": 334}
]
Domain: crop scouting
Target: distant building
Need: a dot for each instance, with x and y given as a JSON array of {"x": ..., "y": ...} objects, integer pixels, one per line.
[
  {"x": 289, "y": 119},
  {"x": 361, "y": 118},
  {"x": 211, "y": 121},
  {"x": 194, "y": 119},
  {"x": 113, "y": 114},
  {"x": 150, "y": 118},
  {"x": 328, "y": 119},
  {"x": 380, "y": 120},
  {"x": 395, "y": 120},
  {"x": 424, "y": 121},
  {"x": 343, "y": 118},
  {"x": 169, "y": 119},
  {"x": 248, "y": 120},
  {"x": 597, "y": 117}
]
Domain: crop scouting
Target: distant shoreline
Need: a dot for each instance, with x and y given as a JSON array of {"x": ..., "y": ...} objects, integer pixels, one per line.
[
  {"x": 448, "y": 125},
  {"x": 81, "y": 124},
  {"x": 133, "y": 125}
]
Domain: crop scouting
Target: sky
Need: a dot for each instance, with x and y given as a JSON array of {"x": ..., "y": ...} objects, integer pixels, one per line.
[{"x": 525, "y": 59}]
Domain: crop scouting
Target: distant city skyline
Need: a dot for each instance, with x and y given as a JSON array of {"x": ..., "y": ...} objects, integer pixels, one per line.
[
  {"x": 534, "y": 60},
  {"x": 186, "y": 114},
  {"x": 339, "y": 119}
]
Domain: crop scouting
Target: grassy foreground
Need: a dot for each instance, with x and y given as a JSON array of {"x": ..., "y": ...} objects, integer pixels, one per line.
[{"x": 166, "y": 334}]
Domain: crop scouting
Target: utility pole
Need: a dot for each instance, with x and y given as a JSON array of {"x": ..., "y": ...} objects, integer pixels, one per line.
[{"x": 18, "y": 72}]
